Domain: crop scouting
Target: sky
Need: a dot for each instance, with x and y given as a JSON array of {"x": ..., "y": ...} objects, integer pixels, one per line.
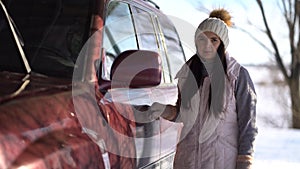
[{"x": 242, "y": 46}]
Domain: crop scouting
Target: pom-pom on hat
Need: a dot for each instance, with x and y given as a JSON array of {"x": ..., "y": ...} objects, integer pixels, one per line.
[{"x": 218, "y": 22}]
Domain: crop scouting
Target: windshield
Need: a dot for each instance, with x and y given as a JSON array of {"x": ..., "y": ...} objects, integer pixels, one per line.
[{"x": 53, "y": 32}]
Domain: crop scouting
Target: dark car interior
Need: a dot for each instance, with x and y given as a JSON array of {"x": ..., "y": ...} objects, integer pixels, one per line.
[{"x": 51, "y": 38}]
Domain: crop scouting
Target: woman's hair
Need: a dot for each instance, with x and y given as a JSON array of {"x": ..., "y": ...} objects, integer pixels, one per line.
[
  {"x": 222, "y": 55},
  {"x": 217, "y": 87},
  {"x": 196, "y": 77}
]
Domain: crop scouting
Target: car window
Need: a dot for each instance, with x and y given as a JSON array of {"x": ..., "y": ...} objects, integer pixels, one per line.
[
  {"x": 172, "y": 44},
  {"x": 132, "y": 27},
  {"x": 147, "y": 38},
  {"x": 53, "y": 33},
  {"x": 150, "y": 37},
  {"x": 119, "y": 33}
]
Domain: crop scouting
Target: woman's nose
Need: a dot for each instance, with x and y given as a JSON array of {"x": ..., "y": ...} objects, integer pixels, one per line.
[{"x": 207, "y": 44}]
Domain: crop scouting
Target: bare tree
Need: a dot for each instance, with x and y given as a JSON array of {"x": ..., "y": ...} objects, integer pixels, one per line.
[{"x": 291, "y": 14}]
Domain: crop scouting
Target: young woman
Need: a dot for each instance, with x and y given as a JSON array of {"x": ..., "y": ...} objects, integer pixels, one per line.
[{"x": 217, "y": 103}]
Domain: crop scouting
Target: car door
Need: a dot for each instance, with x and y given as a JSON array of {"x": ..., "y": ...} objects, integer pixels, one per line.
[{"x": 130, "y": 25}]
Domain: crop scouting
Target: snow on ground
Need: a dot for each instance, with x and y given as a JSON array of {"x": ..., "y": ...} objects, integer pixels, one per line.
[
  {"x": 276, "y": 146},
  {"x": 277, "y": 149}
]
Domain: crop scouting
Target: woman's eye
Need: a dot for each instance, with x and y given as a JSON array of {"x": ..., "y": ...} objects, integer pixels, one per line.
[{"x": 201, "y": 39}]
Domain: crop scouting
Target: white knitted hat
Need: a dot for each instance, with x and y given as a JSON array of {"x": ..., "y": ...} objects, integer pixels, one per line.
[{"x": 216, "y": 26}]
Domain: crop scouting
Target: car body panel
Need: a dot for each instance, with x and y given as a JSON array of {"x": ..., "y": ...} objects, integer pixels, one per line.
[
  {"x": 44, "y": 131},
  {"x": 59, "y": 118}
]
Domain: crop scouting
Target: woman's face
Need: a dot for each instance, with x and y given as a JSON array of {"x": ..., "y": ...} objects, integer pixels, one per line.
[{"x": 207, "y": 44}]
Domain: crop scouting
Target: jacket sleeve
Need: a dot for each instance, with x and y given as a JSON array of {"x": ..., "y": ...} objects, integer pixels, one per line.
[{"x": 246, "y": 112}]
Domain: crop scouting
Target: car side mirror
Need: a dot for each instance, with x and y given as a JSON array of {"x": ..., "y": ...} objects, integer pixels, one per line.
[{"x": 136, "y": 69}]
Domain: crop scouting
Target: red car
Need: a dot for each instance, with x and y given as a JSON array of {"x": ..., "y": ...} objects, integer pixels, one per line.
[{"x": 87, "y": 84}]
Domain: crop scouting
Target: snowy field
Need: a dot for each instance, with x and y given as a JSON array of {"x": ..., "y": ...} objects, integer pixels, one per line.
[
  {"x": 277, "y": 149},
  {"x": 277, "y": 146}
]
